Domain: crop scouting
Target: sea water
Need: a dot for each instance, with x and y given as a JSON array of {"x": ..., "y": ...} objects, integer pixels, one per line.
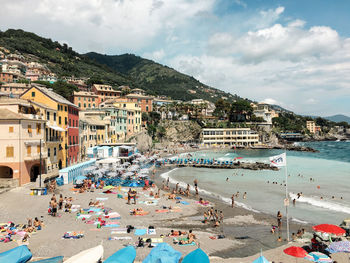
[{"x": 325, "y": 198}]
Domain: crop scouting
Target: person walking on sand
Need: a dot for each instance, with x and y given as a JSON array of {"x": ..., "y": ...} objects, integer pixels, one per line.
[
  {"x": 279, "y": 219},
  {"x": 195, "y": 182},
  {"x": 167, "y": 182},
  {"x": 196, "y": 188},
  {"x": 233, "y": 201},
  {"x": 176, "y": 187}
]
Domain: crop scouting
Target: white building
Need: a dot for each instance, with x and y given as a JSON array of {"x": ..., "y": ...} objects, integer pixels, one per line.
[{"x": 230, "y": 136}]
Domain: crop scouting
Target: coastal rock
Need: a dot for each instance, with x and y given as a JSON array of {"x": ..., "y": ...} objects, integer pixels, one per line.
[{"x": 180, "y": 131}]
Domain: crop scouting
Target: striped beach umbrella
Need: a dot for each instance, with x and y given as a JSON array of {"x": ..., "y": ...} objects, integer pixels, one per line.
[{"x": 318, "y": 257}]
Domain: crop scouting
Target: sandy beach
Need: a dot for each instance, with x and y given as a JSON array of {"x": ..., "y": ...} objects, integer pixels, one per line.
[{"x": 246, "y": 233}]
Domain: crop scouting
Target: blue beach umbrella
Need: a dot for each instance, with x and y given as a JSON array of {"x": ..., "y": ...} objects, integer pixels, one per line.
[
  {"x": 318, "y": 257},
  {"x": 261, "y": 259}
]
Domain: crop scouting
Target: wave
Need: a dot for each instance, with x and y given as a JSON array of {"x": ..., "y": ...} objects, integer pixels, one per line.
[
  {"x": 299, "y": 221},
  {"x": 321, "y": 203},
  {"x": 205, "y": 192}
]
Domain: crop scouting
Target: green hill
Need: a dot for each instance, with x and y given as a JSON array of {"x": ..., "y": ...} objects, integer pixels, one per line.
[
  {"x": 158, "y": 79},
  {"x": 126, "y": 69}
]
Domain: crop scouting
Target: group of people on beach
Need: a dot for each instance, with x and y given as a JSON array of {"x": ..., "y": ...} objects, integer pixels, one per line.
[
  {"x": 215, "y": 216},
  {"x": 55, "y": 205}
]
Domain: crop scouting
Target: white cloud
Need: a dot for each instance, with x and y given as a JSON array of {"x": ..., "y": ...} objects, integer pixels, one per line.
[
  {"x": 156, "y": 55},
  {"x": 127, "y": 25},
  {"x": 270, "y": 101}
]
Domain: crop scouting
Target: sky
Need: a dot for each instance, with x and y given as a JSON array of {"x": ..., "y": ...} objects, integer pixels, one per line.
[{"x": 293, "y": 53}]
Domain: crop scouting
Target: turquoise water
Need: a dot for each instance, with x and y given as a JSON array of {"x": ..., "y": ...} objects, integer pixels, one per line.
[{"x": 330, "y": 170}]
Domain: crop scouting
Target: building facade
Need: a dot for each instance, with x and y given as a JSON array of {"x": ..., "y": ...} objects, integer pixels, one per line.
[
  {"x": 22, "y": 137},
  {"x": 73, "y": 135},
  {"x": 85, "y": 100},
  {"x": 230, "y": 136},
  {"x": 105, "y": 92}
]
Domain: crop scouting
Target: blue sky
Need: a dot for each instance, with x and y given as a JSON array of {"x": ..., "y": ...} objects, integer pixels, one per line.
[{"x": 293, "y": 53}]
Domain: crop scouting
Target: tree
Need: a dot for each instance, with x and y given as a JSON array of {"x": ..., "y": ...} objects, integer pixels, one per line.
[
  {"x": 222, "y": 108},
  {"x": 241, "y": 110}
]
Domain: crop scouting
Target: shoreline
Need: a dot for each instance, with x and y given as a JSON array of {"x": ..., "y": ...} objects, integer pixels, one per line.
[{"x": 255, "y": 225}]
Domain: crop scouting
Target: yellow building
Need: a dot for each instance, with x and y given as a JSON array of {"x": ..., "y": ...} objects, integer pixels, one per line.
[
  {"x": 134, "y": 117},
  {"x": 230, "y": 136},
  {"x": 311, "y": 126},
  {"x": 40, "y": 94}
]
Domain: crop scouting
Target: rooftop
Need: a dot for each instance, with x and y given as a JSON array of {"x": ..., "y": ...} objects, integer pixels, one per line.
[
  {"x": 105, "y": 88},
  {"x": 84, "y": 93}
]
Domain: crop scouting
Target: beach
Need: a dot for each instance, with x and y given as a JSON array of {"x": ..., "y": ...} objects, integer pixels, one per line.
[{"x": 246, "y": 232}]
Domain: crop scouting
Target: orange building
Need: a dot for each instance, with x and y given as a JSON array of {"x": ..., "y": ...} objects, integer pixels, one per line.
[
  {"x": 7, "y": 77},
  {"x": 145, "y": 102},
  {"x": 85, "y": 100},
  {"x": 105, "y": 92}
]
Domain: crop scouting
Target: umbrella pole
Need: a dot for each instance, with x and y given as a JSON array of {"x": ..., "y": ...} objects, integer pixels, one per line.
[{"x": 287, "y": 198}]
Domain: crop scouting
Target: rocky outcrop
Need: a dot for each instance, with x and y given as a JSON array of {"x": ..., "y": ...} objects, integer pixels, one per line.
[
  {"x": 180, "y": 131},
  {"x": 144, "y": 141}
]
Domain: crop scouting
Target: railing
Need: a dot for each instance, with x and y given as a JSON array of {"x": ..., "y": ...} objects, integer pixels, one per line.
[{"x": 54, "y": 139}]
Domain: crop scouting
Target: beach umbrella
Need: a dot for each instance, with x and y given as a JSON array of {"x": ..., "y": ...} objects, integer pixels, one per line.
[
  {"x": 318, "y": 257},
  {"x": 297, "y": 252},
  {"x": 330, "y": 229},
  {"x": 261, "y": 259},
  {"x": 163, "y": 253},
  {"x": 341, "y": 246}
]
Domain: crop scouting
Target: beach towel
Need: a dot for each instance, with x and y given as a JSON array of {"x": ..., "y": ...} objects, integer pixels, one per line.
[
  {"x": 184, "y": 203},
  {"x": 141, "y": 213},
  {"x": 140, "y": 232},
  {"x": 119, "y": 238},
  {"x": 153, "y": 240},
  {"x": 83, "y": 216},
  {"x": 73, "y": 235},
  {"x": 94, "y": 209},
  {"x": 116, "y": 232},
  {"x": 190, "y": 244},
  {"x": 204, "y": 204},
  {"x": 102, "y": 198},
  {"x": 113, "y": 215}
]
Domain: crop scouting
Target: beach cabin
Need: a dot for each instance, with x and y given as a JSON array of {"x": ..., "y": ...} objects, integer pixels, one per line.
[
  {"x": 126, "y": 151},
  {"x": 69, "y": 174},
  {"x": 115, "y": 151},
  {"x": 104, "y": 152},
  {"x": 92, "y": 152}
]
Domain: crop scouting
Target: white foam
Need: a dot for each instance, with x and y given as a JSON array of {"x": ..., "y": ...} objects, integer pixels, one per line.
[
  {"x": 299, "y": 221},
  {"x": 205, "y": 192},
  {"x": 333, "y": 206}
]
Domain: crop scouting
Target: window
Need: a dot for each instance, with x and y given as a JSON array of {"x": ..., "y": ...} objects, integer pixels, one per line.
[
  {"x": 65, "y": 108},
  {"x": 38, "y": 149},
  {"x": 38, "y": 128},
  {"x": 59, "y": 120},
  {"x": 54, "y": 116},
  {"x": 61, "y": 106},
  {"x": 84, "y": 105},
  {"x": 84, "y": 99},
  {"x": 146, "y": 108},
  {"x": 54, "y": 151},
  {"x": 65, "y": 121},
  {"x": 10, "y": 129},
  {"x": 79, "y": 104},
  {"x": 89, "y": 105},
  {"x": 29, "y": 128},
  {"x": 58, "y": 107},
  {"x": 70, "y": 122},
  {"x": 48, "y": 116},
  {"x": 93, "y": 99},
  {"x": 48, "y": 152},
  {"x": 9, "y": 151},
  {"x": 33, "y": 94},
  {"x": 29, "y": 150}
]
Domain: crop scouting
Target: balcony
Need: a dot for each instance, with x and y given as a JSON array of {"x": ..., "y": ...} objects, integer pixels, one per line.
[
  {"x": 54, "y": 139},
  {"x": 35, "y": 156}
]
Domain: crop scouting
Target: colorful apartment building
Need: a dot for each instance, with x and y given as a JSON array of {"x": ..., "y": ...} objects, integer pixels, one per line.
[
  {"x": 230, "y": 136},
  {"x": 145, "y": 102},
  {"x": 15, "y": 89},
  {"x": 46, "y": 96},
  {"x": 105, "y": 92},
  {"x": 73, "y": 135},
  {"x": 85, "y": 100},
  {"x": 134, "y": 118},
  {"x": 22, "y": 140}
]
